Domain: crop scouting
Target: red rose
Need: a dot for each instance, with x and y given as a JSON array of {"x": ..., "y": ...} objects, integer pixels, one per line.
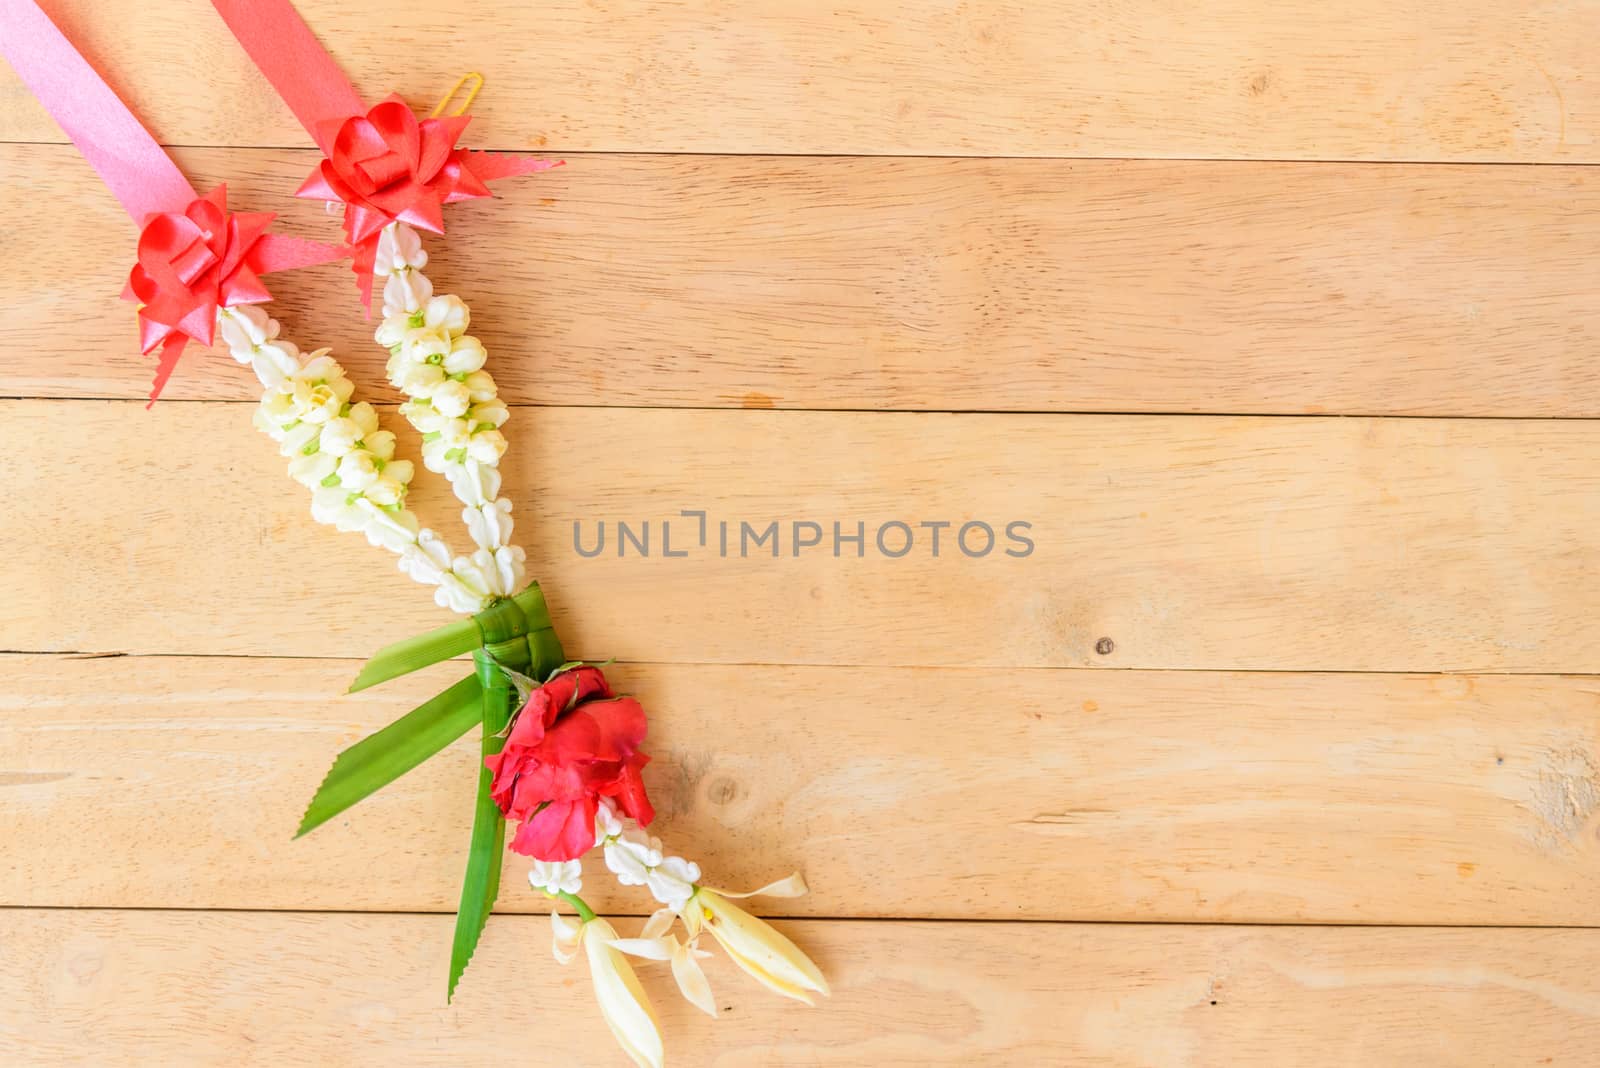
[{"x": 573, "y": 743}]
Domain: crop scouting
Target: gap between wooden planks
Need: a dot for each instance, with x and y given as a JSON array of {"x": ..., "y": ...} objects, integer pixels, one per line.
[
  {"x": 1366, "y": 79},
  {"x": 910, "y": 284},
  {"x": 272, "y": 989},
  {"x": 960, "y": 793},
  {"x": 1160, "y": 542}
]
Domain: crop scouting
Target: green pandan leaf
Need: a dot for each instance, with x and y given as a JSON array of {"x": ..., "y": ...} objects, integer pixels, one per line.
[
  {"x": 379, "y": 759},
  {"x": 404, "y": 657},
  {"x": 481, "y": 884},
  {"x": 505, "y": 620}
]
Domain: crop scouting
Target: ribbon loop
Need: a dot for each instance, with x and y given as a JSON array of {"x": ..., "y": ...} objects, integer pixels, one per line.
[
  {"x": 384, "y": 164},
  {"x": 193, "y": 256}
]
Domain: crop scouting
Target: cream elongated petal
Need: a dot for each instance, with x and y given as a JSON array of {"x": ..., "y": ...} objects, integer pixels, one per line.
[
  {"x": 691, "y": 979},
  {"x": 564, "y": 934},
  {"x": 659, "y": 923},
  {"x": 643, "y": 948},
  {"x": 753, "y": 944},
  {"x": 623, "y": 1002},
  {"x": 793, "y": 885},
  {"x": 654, "y": 943}
]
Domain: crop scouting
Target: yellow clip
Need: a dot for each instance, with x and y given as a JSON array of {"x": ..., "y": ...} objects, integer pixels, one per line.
[{"x": 472, "y": 94}]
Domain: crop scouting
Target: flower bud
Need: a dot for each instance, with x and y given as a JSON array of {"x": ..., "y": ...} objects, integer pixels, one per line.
[
  {"x": 754, "y": 945},
  {"x": 451, "y": 399},
  {"x": 623, "y": 1002}
]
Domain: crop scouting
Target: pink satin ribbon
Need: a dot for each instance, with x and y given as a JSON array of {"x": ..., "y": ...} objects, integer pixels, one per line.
[
  {"x": 194, "y": 256},
  {"x": 384, "y": 164}
]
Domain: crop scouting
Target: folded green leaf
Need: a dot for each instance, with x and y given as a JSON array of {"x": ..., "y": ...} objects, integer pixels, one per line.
[
  {"x": 523, "y": 617},
  {"x": 381, "y": 758},
  {"x": 481, "y": 885}
]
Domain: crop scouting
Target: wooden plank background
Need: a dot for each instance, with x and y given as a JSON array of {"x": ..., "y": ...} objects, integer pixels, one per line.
[
  {"x": 1330, "y": 794},
  {"x": 1476, "y": 80},
  {"x": 930, "y": 284},
  {"x": 1127, "y": 795},
  {"x": 262, "y": 988}
]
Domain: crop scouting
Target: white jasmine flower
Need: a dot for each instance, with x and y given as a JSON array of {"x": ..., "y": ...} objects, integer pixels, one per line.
[
  {"x": 607, "y": 823},
  {"x": 466, "y": 355},
  {"x": 486, "y": 446},
  {"x": 448, "y": 314},
  {"x": 395, "y": 531},
  {"x": 357, "y": 471},
  {"x": 456, "y": 595},
  {"x": 446, "y": 444},
  {"x": 474, "y": 483},
  {"x": 279, "y": 408},
  {"x": 631, "y": 855},
  {"x": 427, "y": 344},
  {"x": 267, "y": 426},
  {"x": 405, "y": 292},
  {"x": 451, "y": 399},
  {"x": 310, "y": 471},
  {"x": 491, "y": 413},
  {"x": 273, "y": 364},
  {"x": 509, "y": 564},
  {"x": 334, "y": 506},
  {"x": 422, "y": 415},
  {"x": 399, "y": 248},
  {"x": 556, "y": 876},
  {"x": 390, "y": 487},
  {"x": 418, "y": 379},
  {"x": 427, "y": 559},
  {"x": 672, "y": 882},
  {"x": 245, "y": 326},
  {"x": 380, "y": 443},
  {"x": 481, "y": 572},
  {"x": 489, "y": 525},
  {"x": 340, "y": 435},
  {"x": 481, "y": 385},
  {"x": 392, "y": 331}
]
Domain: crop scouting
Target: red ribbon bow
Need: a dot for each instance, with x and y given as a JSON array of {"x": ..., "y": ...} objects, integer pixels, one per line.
[
  {"x": 388, "y": 166},
  {"x": 193, "y": 262}
]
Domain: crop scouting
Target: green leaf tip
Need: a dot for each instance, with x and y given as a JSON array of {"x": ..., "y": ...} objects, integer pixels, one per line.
[{"x": 380, "y": 758}]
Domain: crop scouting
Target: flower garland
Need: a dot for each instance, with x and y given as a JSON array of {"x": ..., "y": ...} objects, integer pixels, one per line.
[
  {"x": 562, "y": 753},
  {"x": 569, "y": 772},
  {"x": 336, "y": 449}
]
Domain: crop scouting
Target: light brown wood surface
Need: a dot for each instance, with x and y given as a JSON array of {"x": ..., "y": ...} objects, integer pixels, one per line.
[
  {"x": 1035, "y": 285},
  {"x": 1365, "y": 79},
  {"x": 960, "y": 793},
  {"x": 186, "y": 988},
  {"x": 1360, "y": 663},
  {"x": 1186, "y": 542}
]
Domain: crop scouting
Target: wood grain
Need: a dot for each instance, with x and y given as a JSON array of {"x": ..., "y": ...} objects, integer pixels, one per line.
[
  {"x": 1125, "y": 795},
  {"x": 1159, "y": 542},
  {"x": 184, "y": 988},
  {"x": 995, "y": 285},
  {"x": 1435, "y": 80}
]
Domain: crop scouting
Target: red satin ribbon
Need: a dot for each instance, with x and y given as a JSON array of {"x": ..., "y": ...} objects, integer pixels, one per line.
[
  {"x": 383, "y": 164},
  {"x": 194, "y": 256},
  {"x": 194, "y": 261}
]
